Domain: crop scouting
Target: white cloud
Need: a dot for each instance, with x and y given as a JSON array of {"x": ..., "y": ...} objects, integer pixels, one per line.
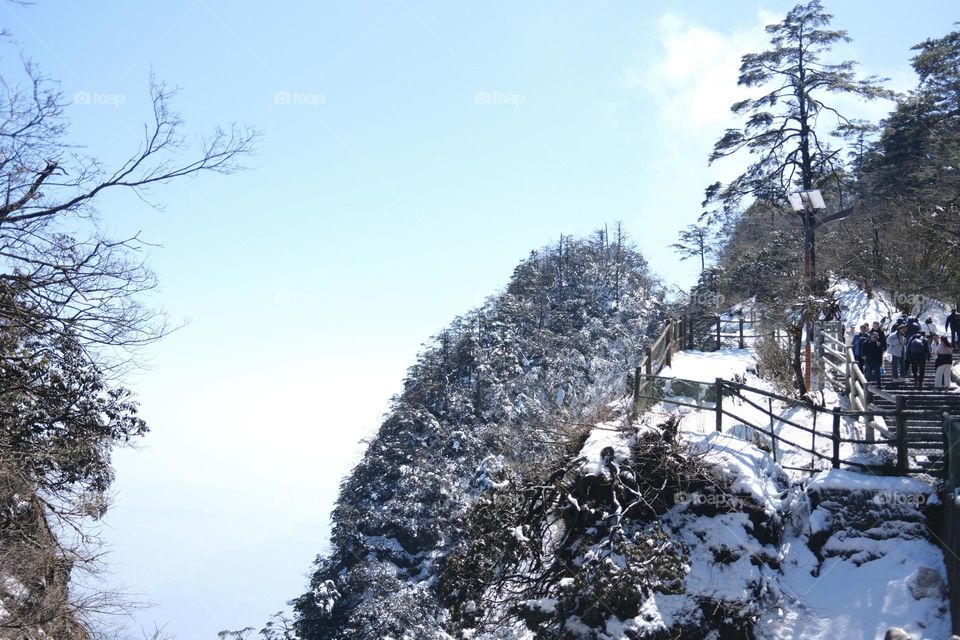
[{"x": 692, "y": 71}]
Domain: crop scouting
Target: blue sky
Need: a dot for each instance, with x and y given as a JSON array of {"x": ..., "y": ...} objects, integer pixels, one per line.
[{"x": 413, "y": 154}]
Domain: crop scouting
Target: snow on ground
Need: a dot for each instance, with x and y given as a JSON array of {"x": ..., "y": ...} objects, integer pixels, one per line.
[
  {"x": 708, "y": 366},
  {"x": 603, "y": 436},
  {"x": 748, "y": 470},
  {"x": 751, "y": 424},
  {"x": 840, "y": 479},
  {"x": 869, "y": 584},
  {"x": 854, "y": 602},
  {"x": 857, "y": 307}
]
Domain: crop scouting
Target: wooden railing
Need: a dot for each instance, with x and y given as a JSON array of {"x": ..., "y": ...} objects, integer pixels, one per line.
[
  {"x": 951, "y": 461},
  {"x": 712, "y": 397},
  {"x": 659, "y": 355},
  {"x": 679, "y": 334},
  {"x": 714, "y": 329},
  {"x": 949, "y": 533}
]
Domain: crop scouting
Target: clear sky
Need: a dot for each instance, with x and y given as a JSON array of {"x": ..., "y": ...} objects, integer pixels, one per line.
[{"x": 413, "y": 153}]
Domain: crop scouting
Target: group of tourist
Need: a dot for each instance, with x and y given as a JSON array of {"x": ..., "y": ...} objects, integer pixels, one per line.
[{"x": 906, "y": 346}]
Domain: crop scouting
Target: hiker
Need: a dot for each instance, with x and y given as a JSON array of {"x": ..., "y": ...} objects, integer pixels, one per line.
[
  {"x": 897, "y": 348},
  {"x": 918, "y": 351},
  {"x": 913, "y": 326},
  {"x": 944, "y": 362},
  {"x": 879, "y": 330},
  {"x": 952, "y": 325},
  {"x": 858, "y": 341},
  {"x": 901, "y": 321},
  {"x": 872, "y": 351}
]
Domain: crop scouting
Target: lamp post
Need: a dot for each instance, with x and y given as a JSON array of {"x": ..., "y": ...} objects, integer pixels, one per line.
[{"x": 807, "y": 202}]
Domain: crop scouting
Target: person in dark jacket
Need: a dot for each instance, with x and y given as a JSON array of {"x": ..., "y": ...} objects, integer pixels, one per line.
[
  {"x": 879, "y": 330},
  {"x": 901, "y": 321},
  {"x": 858, "y": 341},
  {"x": 913, "y": 326},
  {"x": 872, "y": 351},
  {"x": 952, "y": 325},
  {"x": 918, "y": 351}
]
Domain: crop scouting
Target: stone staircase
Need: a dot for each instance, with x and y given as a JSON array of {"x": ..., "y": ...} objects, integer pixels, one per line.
[{"x": 924, "y": 431}]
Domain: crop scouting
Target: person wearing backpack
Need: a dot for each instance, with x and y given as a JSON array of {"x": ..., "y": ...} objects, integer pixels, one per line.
[
  {"x": 897, "y": 348},
  {"x": 943, "y": 350},
  {"x": 872, "y": 351},
  {"x": 918, "y": 350},
  {"x": 953, "y": 326},
  {"x": 901, "y": 321}
]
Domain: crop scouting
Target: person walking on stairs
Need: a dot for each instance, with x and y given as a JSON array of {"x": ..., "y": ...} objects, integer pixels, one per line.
[
  {"x": 872, "y": 352},
  {"x": 918, "y": 351},
  {"x": 953, "y": 326},
  {"x": 943, "y": 350},
  {"x": 913, "y": 326},
  {"x": 897, "y": 348},
  {"x": 877, "y": 328},
  {"x": 858, "y": 341}
]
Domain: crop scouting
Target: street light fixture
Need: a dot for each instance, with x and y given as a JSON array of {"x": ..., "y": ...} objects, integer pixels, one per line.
[{"x": 800, "y": 200}]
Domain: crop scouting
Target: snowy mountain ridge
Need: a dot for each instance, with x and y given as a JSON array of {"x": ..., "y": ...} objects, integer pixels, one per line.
[{"x": 510, "y": 495}]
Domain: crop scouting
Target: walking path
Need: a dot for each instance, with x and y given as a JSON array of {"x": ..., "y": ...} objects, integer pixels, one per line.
[{"x": 924, "y": 432}]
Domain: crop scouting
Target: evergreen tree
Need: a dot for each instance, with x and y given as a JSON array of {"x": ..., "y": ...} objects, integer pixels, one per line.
[
  {"x": 784, "y": 127},
  {"x": 910, "y": 184},
  {"x": 695, "y": 242}
]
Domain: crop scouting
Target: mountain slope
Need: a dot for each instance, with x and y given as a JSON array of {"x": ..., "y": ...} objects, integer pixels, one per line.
[{"x": 496, "y": 398}]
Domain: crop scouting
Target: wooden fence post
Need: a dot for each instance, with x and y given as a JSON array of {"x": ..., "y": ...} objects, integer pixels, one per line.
[
  {"x": 718, "y": 333},
  {"x": 741, "y": 333},
  {"x": 773, "y": 437},
  {"x": 718, "y": 386},
  {"x": 636, "y": 387},
  {"x": 689, "y": 333},
  {"x": 668, "y": 349},
  {"x": 949, "y": 481},
  {"x": 902, "y": 461},
  {"x": 836, "y": 437}
]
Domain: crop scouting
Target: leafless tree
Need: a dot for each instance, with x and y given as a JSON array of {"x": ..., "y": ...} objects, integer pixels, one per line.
[{"x": 71, "y": 300}]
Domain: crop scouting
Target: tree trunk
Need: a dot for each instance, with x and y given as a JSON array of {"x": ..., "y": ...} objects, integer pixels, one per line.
[{"x": 797, "y": 345}]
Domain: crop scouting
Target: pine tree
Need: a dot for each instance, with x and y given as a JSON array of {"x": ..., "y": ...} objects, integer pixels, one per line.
[
  {"x": 695, "y": 241},
  {"x": 784, "y": 127}
]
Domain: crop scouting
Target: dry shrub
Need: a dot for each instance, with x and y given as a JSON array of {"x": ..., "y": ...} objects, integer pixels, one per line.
[{"x": 774, "y": 363}]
